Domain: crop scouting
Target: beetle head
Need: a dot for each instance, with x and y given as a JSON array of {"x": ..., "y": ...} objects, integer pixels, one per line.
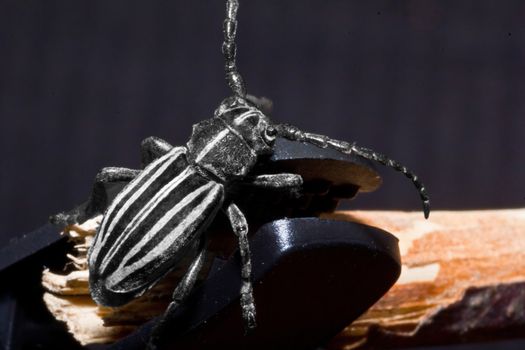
[{"x": 249, "y": 122}]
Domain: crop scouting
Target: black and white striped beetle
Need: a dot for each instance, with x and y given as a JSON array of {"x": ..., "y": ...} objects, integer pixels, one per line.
[{"x": 162, "y": 215}]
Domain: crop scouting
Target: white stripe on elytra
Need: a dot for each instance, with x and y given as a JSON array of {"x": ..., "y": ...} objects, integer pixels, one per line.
[
  {"x": 169, "y": 158},
  {"x": 144, "y": 212},
  {"x": 124, "y": 271},
  {"x": 211, "y": 145},
  {"x": 136, "y": 181},
  {"x": 139, "y": 191},
  {"x": 101, "y": 233}
]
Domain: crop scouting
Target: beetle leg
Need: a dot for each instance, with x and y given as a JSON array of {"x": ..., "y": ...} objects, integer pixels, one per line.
[
  {"x": 153, "y": 148},
  {"x": 286, "y": 181},
  {"x": 293, "y": 133},
  {"x": 180, "y": 293},
  {"x": 98, "y": 199},
  {"x": 282, "y": 180},
  {"x": 188, "y": 281},
  {"x": 240, "y": 228}
]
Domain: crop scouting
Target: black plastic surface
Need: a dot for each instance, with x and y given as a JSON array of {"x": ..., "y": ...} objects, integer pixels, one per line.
[
  {"x": 287, "y": 275},
  {"x": 328, "y": 176},
  {"x": 27, "y": 245},
  {"x": 325, "y": 164},
  {"x": 25, "y": 323},
  {"x": 312, "y": 278},
  {"x": 347, "y": 172}
]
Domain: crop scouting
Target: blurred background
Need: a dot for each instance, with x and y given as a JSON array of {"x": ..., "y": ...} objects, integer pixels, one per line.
[{"x": 437, "y": 85}]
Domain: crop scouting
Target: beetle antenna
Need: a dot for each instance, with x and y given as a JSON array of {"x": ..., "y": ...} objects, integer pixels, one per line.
[
  {"x": 381, "y": 158},
  {"x": 229, "y": 48},
  {"x": 293, "y": 133}
]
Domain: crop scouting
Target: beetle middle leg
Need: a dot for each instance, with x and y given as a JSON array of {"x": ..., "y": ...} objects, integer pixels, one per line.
[
  {"x": 151, "y": 149},
  {"x": 98, "y": 199},
  {"x": 240, "y": 228}
]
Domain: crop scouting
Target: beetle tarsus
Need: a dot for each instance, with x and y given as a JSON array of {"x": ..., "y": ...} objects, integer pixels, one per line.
[{"x": 72, "y": 217}]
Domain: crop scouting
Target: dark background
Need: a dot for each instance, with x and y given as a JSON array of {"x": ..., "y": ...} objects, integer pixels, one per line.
[{"x": 437, "y": 85}]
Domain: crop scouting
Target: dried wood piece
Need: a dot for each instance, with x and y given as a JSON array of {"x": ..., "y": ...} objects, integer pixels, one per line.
[
  {"x": 82, "y": 318},
  {"x": 68, "y": 299},
  {"x": 73, "y": 283},
  {"x": 463, "y": 279}
]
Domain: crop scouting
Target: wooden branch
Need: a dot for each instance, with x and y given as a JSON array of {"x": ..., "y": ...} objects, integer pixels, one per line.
[{"x": 463, "y": 279}]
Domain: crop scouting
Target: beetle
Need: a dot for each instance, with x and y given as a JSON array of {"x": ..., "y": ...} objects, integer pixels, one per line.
[{"x": 161, "y": 215}]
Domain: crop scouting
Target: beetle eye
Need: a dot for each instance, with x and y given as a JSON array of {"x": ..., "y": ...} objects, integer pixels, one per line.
[{"x": 269, "y": 133}]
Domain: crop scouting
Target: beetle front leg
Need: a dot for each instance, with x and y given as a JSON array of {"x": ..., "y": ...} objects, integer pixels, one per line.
[
  {"x": 240, "y": 228},
  {"x": 153, "y": 148},
  {"x": 98, "y": 199},
  {"x": 293, "y": 133}
]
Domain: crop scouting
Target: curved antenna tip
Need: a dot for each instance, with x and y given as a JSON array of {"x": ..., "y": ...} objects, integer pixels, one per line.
[{"x": 426, "y": 208}]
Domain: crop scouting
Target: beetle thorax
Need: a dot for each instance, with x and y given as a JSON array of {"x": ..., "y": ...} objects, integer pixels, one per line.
[{"x": 229, "y": 144}]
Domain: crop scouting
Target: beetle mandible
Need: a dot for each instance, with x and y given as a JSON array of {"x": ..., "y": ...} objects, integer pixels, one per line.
[{"x": 162, "y": 215}]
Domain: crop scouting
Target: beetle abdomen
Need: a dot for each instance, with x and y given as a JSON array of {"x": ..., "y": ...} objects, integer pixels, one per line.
[{"x": 149, "y": 227}]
